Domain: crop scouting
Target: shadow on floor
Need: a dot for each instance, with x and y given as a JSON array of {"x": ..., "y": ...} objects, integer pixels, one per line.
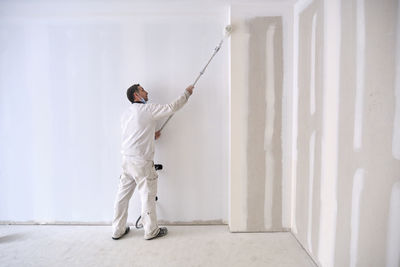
[{"x": 11, "y": 238}]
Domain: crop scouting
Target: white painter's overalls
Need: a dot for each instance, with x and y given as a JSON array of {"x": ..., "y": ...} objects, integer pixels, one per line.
[{"x": 138, "y": 129}]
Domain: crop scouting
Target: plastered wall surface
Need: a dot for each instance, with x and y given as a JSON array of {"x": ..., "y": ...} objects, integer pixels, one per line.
[
  {"x": 258, "y": 192},
  {"x": 348, "y": 77},
  {"x": 318, "y": 154},
  {"x": 264, "y": 171},
  {"x": 309, "y": 123},
  {"x": 64, "y": 71}
]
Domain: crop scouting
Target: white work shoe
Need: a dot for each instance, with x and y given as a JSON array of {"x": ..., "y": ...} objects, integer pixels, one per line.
[
  {"x": 126, "y": 231},
  {"x": 163, "y": 231}
]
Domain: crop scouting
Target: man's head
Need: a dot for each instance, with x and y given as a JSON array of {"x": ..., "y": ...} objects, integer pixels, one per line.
[{"x": 136, "y": 93}]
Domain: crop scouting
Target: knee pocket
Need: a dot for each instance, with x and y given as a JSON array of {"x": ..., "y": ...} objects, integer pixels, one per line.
[{"x": 153, "y": 174}]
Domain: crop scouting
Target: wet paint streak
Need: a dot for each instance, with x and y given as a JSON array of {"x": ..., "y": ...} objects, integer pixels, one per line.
[
  {"x": 269, "y": 126},
  {"x": 329, "y": 169},
  {"x": 360, "y": 70},
  {"x": 312, "y": 71},
  {"x": 396, "y": 121},
  {"x": 358, "y": 185},
  {"x": 310, "y": 189},
  {"x": 393, "y": 233},
  {"x": 256, "y": 125}
]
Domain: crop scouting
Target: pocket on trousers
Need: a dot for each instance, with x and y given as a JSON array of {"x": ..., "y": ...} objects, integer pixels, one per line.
[{"x": 153, "y": 173}]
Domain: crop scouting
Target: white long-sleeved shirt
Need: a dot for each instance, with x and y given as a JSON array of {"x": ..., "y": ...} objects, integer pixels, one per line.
[{"x": 139, "y": 125}]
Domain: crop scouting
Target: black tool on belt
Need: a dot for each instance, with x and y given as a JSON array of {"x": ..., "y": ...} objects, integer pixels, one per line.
[{"x": 139, "y": 225}]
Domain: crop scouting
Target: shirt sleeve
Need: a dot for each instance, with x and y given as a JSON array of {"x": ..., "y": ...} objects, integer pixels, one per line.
[{"x": 159, "y": 111}]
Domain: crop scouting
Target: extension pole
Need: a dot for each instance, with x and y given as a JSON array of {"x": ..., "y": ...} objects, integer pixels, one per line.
[{"x": 228, "y": 30}]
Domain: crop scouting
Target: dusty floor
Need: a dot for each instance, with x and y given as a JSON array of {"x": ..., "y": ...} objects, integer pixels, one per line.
[{"x": 39, "y": 245}]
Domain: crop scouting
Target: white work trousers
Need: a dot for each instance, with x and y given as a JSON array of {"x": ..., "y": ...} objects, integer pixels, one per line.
[{"x": 144, "y": 175}]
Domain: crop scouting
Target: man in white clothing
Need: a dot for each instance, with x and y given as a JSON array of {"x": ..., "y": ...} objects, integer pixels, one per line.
[{"x": 138, "y": 134}]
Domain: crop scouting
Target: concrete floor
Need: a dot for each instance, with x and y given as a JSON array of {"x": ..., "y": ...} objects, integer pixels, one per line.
[{"x": 58, "y": 245}]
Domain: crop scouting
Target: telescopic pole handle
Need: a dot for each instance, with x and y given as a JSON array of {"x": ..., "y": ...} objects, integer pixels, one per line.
[
  {"x": 200, "y": 74},
  {"x": 165, "y": 123}
]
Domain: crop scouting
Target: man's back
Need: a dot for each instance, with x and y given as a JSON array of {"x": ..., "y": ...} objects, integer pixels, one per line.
[{"x": 138, "y": 127}]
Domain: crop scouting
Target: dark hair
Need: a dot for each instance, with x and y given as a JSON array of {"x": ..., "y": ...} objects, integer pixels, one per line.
[{"x": 131, "y": 90}]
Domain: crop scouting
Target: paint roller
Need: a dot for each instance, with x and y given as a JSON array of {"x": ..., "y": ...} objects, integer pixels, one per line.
[
  {"x": 228, "y": 30},
  {"x": 227, "y": 33}
]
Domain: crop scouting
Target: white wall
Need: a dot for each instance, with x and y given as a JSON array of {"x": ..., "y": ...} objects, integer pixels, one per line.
[
  {"x": 347, "y": 176},
  {"x": 64, "y": 71},
  {"x": 260, "y": 148}
]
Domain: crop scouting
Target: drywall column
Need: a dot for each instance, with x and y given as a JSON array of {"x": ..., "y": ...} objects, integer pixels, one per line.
[
  {"x": 256, "y": 200},
  {"x": 309, "y": 19},
  {"x": 264, "y": 176},
  {"x": 238, "y": 128}
]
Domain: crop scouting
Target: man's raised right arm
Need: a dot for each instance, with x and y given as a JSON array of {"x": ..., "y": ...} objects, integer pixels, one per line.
[{"x": 161, "y": 111}]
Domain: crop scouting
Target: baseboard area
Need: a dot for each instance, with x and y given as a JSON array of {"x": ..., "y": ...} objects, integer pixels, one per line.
[
  {"x": 316, "y": 262},
  {"x": 275, "y": 230},
  {"x": 161, "y": 222}
]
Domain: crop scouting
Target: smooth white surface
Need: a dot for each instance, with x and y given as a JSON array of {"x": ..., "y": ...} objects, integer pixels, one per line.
[
  {"x": 360, "y": 67},
  {"x": 396, "y": 120},
  {"x": 269, "y": 125},
  {"x": 64, "y": 71},
  {"x": 238, "y": 130},
  {"x": 310, "y": 189},
  {"x": 287, "y": 105},
  {"x": 299, "y": 6},
  {"x": 294, "y": 114},
  {"x": 312, "y": 65},
  {"x": 329, "y": 144},
  {"x": 393, "y": 233},
  {"x": 358, "y": 185}
]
